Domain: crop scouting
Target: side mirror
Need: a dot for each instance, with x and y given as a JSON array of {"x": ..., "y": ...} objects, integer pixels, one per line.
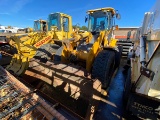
[
  {"x": 118, "y": 16},
  {"x": 86, "y": 19}
]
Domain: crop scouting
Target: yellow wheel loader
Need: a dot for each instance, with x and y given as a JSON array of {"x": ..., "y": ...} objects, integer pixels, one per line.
[
  {"x": 41, "y": 43},
  {"x": 95, "y": 50},
  {"x": 81, "y": 67},
  {"x": 38, "y": 26},
  {"x": 5, "y": 47}
]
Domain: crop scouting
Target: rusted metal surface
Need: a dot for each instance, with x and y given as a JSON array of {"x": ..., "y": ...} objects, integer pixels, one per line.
[
  {"x": 70, "y": 85},
  {"x": 20, "y": 102}
]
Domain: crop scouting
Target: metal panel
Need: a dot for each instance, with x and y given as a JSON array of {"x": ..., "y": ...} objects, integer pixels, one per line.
[{"x": 144, "y": 107}]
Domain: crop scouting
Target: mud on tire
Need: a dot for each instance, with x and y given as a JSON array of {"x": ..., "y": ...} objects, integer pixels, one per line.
[{"x": 103, "y": 67}]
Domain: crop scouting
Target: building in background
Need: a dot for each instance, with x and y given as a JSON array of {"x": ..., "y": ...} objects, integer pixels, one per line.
[{"x": 124, "y": 32}]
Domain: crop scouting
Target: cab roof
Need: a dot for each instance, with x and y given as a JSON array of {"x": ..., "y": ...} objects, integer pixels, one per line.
[
  {"x": 103, "y": 9},
  {"x": 63, "y": 14},
  {"x": 40, "y": 20}
]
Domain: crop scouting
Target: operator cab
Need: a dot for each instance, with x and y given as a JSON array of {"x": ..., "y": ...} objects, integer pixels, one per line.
[
  {"x": 100, "y": 19},
  {"x": 58, "y": 22},
  {"x": 40, "y": 25},
  {"x": 54, "y": 22}
]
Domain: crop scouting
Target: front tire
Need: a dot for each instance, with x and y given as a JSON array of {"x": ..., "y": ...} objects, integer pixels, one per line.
[{"x": 103, "y": 67}]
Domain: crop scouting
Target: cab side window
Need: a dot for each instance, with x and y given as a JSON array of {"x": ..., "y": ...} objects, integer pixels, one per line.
[{"x": 65, "y": 24}]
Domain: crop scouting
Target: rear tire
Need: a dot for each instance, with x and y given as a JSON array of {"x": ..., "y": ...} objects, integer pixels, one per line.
[
  {"x": 103, "y": 67},
  {"x": 45, "y": 52}
]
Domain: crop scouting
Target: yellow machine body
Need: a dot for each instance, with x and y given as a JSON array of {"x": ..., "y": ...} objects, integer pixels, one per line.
[
  {"x": 59, "y": 27},
  {"x": 62, "y": 26},
  {"x": 105, "y": 39}
]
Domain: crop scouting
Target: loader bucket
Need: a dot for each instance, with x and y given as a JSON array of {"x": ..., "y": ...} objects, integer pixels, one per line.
[
  {"x": 18, "y": 64},
  {"x": 67, "y": 84}
]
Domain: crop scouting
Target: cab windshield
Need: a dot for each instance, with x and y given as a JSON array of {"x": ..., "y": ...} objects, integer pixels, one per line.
[
  {"x": 99, "y": 21},
  {"x": 54, "y": 20},
  {"x": 37, "y": 26}
]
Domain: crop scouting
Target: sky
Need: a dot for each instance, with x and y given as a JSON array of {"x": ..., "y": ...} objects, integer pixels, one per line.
[{"x": 22, "y": 13}]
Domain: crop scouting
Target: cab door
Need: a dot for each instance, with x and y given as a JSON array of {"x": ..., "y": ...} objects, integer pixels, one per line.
[{"x": 65, "y": 27}]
